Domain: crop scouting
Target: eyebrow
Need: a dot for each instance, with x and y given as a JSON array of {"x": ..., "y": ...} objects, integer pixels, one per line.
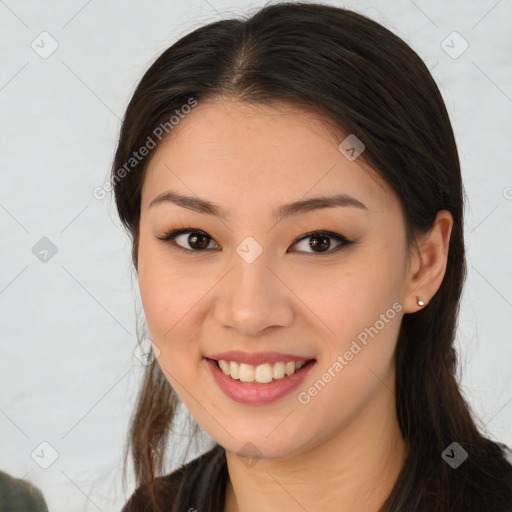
[{"x": 306, "y": 205}]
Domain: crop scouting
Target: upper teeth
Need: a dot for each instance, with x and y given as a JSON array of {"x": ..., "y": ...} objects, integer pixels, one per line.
[{"x": 262, "y": 373}]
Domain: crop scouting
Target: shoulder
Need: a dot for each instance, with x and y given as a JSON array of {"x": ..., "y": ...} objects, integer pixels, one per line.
[
  {"x": 199, "y": 483},
  {"x": 18, "y": 494}
]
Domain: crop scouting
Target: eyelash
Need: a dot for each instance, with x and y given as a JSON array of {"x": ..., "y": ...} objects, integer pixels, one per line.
[{"x": 171, "y": 235}]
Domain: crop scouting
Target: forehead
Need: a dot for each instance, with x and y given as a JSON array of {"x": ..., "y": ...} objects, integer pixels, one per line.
[{"x": 233, "y": 150}]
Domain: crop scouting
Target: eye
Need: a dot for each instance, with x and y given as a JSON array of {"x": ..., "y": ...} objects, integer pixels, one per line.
[
  {"x": 200, "y": 240},
  {"x": 195, "y": 238},
  {"x": 320, "y": 240}
]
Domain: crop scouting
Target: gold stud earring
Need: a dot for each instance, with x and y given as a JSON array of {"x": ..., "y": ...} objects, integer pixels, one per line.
[{"x": 420, "y": 302}]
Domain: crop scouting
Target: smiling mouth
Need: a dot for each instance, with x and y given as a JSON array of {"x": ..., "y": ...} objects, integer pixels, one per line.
[{"x": 263, "y": 373}]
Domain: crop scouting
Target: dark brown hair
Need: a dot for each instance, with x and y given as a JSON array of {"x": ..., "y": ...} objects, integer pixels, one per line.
[{"x": 370, "y": 83}]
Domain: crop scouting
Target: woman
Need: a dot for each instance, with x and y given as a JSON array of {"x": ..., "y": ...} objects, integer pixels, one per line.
[{"x": 292, "y": 188}]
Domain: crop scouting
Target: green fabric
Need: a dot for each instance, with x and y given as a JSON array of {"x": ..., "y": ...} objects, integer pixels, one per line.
[{"x": 18, "y": 495}]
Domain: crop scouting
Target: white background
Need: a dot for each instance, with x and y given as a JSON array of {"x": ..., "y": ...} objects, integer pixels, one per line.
[{"x": 68, "y": 375}]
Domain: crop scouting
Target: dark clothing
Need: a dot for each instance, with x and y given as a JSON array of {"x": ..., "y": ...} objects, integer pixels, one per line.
[
  {"x": 17, "y": 495},
  {"x": 198, "y": 486}
]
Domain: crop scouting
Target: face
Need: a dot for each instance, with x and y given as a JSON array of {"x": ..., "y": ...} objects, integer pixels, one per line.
[{"x": 318, "y": 283}]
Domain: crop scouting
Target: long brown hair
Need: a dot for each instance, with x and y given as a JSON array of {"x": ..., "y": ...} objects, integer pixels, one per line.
[{"x": 372, "y": 84}]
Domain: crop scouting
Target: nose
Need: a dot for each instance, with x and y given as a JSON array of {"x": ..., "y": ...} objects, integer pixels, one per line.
[{"x": 253, "y": 298}]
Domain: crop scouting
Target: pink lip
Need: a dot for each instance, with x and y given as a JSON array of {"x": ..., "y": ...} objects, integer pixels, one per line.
[
  {"x": 257, "y": 358},
  {"x": 257, "y": 394}
]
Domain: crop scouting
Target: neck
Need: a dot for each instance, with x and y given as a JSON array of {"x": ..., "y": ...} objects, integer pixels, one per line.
[{"x": 353, "y": 470}]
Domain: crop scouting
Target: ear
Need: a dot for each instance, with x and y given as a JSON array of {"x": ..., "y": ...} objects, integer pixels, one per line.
[{"x": 428, "y": 263}]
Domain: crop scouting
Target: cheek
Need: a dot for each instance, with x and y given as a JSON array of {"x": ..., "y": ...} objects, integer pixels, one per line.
[
  {"x": 167, "y": 304},
  {"x": 359, "y": 305},
  {"x": 167, "y": 295},
  {"x": 166, "y": 299},
  {"x": 354, "y": 294}
]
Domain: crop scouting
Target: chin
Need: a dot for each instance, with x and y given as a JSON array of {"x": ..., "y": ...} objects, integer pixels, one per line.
[{"x": 254, "y": 448}]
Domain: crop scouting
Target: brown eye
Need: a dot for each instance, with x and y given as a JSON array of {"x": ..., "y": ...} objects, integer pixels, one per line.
[
  {"x": 320, "y": 242},
  {"x": 195, "y": 239},
  {"x": 198, "y": 240}
]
